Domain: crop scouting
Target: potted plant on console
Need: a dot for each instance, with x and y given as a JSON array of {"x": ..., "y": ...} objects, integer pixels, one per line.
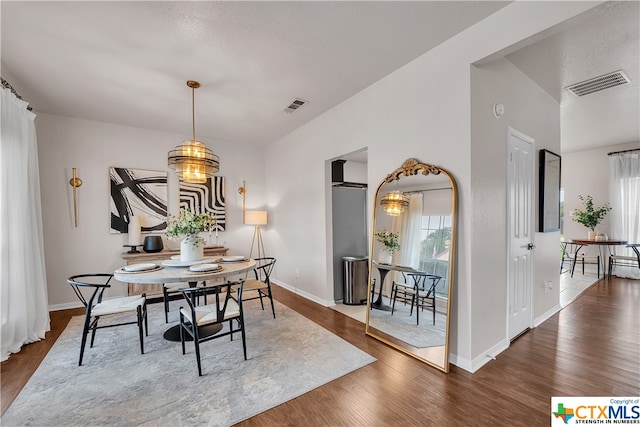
[
  {"x": 391, "y": 245},
  {"x": 591, "y": 216},
  {"x": 188, "y": 226}
]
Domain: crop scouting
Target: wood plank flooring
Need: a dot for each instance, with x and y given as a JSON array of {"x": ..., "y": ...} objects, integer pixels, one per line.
[{"x": 590, "y": 348}]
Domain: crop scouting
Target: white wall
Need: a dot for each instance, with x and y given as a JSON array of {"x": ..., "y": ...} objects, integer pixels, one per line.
[
  {"x": 93, "y": 147},
  {"x": 533, "y": 112},
  {"x": 422, "y": 110}
]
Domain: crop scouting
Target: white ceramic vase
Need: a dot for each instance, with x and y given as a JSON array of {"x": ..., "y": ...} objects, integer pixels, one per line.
[
  {"x": 191, "y": 249},
  {"x": 384, "y": 256},
  {"x": 591, "y": 235}
]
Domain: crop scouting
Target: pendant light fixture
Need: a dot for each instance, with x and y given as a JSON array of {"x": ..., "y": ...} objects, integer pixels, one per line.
[
  {"x": 394, "y": 203},
  {"x": 192, "y": 160}
]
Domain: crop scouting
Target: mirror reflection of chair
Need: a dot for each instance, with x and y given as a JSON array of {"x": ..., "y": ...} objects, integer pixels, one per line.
[
  {"x": 95, "y": 308},
  {"x": 420, "y": 292},
  {"x": 260, "y": 286},
  {"x": 225, "y": 308},
  {"x": 625, "y": 261}
]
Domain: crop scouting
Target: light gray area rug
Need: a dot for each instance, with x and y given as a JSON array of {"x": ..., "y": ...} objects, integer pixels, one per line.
[
  {"x": 403, "y": 326},
  {"x": 116, "y": 385}
]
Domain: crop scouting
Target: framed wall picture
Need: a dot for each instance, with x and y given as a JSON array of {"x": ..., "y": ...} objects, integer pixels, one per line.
[
  {"x": 549, "y": 196},
  {"x": 205, "y": 198},
  {"x": 141, "y": 193}
]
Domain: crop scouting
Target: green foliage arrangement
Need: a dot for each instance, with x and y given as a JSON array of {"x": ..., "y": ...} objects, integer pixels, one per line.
[
  {"x": 590, "y": 217},
  {"x": 389, "y": 240},
  {"x": 188, "y": 224}
]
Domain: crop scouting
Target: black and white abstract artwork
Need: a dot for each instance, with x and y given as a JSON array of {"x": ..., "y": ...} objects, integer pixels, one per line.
[
  {"x": 207, "y": 197},
  {"x": 141, "y": 193}
]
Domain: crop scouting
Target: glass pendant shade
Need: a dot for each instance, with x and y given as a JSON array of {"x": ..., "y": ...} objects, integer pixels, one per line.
[
  {"x": 192, "y": 160},
  {"x": 394, "y": 203}
]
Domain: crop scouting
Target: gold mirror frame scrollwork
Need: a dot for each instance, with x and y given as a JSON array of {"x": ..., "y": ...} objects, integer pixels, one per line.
[{"x": 413, "y": 167}]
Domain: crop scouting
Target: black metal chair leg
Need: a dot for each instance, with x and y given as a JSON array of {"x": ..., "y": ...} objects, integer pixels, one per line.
[
  {"x": 85, "y": 332},
  {"x": 94, "y": 327},
  {"x": 139, "y": 310},
  {"x": 273, "y": 309},
  {"x": 196, "y": 341}
]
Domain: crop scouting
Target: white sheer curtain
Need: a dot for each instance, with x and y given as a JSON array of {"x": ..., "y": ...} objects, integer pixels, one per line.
[
  {"x": 23, "y": 290},
  {"x": 624, "y": 181}
]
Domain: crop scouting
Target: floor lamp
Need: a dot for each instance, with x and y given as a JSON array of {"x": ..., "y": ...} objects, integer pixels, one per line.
[{"x": 256, "y": 218}]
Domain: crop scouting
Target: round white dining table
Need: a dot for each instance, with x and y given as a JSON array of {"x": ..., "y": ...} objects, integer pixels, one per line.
[{"x": 178, "y": 274}]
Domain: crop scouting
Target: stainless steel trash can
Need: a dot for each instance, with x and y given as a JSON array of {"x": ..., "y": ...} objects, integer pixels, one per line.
[{"x": 354, "y": 277}]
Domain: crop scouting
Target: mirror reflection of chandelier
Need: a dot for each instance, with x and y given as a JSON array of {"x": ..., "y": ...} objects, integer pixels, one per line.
[
  {"x": 192, "y": 160},
  {"x": 394, "y": 203}
]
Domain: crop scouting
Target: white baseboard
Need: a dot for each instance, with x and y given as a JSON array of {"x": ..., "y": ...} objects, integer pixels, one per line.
[
  {"x": 540, "y": 319},
  {"x": 304, "y": 294},
  {"x": 479, "y": 361},
  {"x": 65, "y": 306}
]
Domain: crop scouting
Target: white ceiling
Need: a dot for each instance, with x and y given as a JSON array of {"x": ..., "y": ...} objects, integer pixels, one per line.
[
  {"x": 600, "y": 41},
  {"x": 128, "y": 62}
]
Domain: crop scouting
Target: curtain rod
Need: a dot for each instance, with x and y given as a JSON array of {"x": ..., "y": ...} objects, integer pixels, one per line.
[
  {"x": 623, "y": 151},
  {"x": 7, "y": 85}
]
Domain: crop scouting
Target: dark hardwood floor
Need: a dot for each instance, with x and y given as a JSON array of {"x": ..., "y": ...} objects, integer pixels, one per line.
[{"x": 590, "y": 348}]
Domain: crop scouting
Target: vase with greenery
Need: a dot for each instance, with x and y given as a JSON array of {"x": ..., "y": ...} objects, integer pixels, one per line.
[
  {"x": 391, "y": 245},
  {"x": 188, "y": 226},
  {"x": 590, "y": 216}
]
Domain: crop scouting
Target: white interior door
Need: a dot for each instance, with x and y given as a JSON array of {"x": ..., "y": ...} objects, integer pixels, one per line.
[{"x": 520, "y": 183}]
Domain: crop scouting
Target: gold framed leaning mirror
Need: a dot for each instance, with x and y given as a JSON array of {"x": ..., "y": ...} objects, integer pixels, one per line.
[{"x": 414, "y": 215}]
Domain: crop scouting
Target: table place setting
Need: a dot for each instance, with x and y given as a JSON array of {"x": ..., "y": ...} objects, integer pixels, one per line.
[
  {"x": 233, "y": 258},
  {"x": 140, "y": 268},
  {"x": 205, "y": 268}
]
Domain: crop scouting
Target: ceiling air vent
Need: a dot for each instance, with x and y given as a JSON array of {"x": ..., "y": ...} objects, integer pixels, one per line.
[
  {"x": 297, "y": 103},
  {"x": 597, "y": 84}
]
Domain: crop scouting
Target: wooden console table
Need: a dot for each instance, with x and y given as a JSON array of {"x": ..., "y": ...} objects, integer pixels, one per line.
[{"x": 154, "y": 290}]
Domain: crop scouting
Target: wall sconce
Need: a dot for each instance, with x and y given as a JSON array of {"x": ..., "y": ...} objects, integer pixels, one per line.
[
  {"x": 394, "y": 203},
  {"x": 75, "y": 182},
  {"x": 243, "y": 190}
]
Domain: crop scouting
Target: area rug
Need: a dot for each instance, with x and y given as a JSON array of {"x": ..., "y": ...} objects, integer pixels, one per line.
[
  {"x": 117, "y": 386},
  {"x": 402, "y": 325}
]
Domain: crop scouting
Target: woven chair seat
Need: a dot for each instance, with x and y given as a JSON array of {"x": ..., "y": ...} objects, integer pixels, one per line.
[
  {"x": 117, "y": 305},
  {"x": 206, "y": 314}
]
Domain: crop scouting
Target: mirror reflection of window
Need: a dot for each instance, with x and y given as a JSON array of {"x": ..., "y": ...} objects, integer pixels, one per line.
[{"x": 436, "y": 235}]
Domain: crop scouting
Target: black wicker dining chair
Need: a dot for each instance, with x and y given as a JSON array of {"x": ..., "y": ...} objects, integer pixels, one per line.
[
  {"x": 96, "y": 307},
  {"x": 206, "y": 322},
  {"x": 260, "y": 286}
]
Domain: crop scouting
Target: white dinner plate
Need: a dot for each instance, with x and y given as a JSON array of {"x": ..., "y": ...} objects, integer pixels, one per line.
[
  {"x": 140, "y": 267},
  {"x": 204, "y": 267},
  {"x": 234, "y": 258}
]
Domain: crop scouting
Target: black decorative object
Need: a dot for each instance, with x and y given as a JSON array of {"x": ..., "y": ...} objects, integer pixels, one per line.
[
  {"x": 133, "y": 249},
  {"x": 152, "y": 244}
]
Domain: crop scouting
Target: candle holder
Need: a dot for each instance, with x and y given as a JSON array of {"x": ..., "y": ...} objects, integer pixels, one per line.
[{"x": 133, "y": 249}]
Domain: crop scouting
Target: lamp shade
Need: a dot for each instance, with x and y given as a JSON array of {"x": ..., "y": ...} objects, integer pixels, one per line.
[{"x": 255, "y": 217}]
